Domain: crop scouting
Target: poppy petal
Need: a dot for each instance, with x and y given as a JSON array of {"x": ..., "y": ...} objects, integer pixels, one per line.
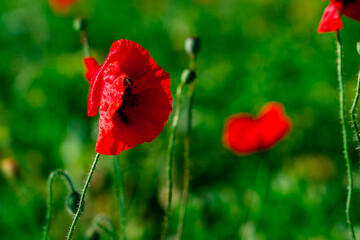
[
  {"x": 331, "y": 20},
  {"x": 146, "y": 122},
  {"x": 61, "y": 6},
  {"x": 241, "y": 134},
  {"x": 91, "y": 67},
  {"x": 110, "y": 137},
  {"x": 244, "y": 134},
  {"x": 127, "y": 53},
  {"x": 150, "y": 115},
  {"x": 350, "y": 9},
  {"x": 273, "y": 124},
  {"x": 108, "y": 87},
  {"x": 152, "y": 79}
]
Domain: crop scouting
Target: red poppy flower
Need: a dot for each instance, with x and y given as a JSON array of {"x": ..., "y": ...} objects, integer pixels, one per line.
[
  {"x": 331, "y": 19},
  {"x": 244, "y": 134},
  {"x": 132, "y": 94}
]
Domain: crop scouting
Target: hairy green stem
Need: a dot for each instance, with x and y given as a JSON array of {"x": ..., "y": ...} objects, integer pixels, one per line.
[
  {"x": 352, "y": 111},
  {"x": 342, "y": 120},
  {"x": 119, "y": 185},
  {"x": 186, "y": 161},
  {"x": 52, "y": 176},
  {"x": 171, "y": 156},
  {"x": 82, "y": 199}
]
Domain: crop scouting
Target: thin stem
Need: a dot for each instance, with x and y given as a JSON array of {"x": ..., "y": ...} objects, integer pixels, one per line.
[
  {"x": 342, "y": 121},
  {"x": 119, "y": 185},
  {"x": 260, "y": 189},
  {"x": 192, "y": 61},
  {"x": 171, "y": 156},
  {"x": 85, "y": 43},
  {"x": 52, "y": 176},
  {"x": 353, "y": 109},
  {"x": 82, "y": 199},
  {"x": 186, "y": 161}
]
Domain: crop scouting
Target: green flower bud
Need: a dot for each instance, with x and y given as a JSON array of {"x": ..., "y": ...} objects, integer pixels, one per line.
[
  {"x": 192, "y": 45},
  {"x": 79, "y": 24},
  {"x": 72, "y": 203},
  {"x": 358, "y": 47},
  {"x": 188, "y": 76}
]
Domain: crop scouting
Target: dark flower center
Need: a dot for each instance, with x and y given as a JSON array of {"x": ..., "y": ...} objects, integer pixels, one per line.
[
  {"x": 347, "y": 2},
  {"x": 129, "y": 100}
]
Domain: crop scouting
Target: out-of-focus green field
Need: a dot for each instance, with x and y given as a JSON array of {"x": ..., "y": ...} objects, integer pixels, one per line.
[{"x": 253, "y": 52}]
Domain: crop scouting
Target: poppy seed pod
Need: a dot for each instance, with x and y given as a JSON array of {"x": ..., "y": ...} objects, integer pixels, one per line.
[
  {"x": 188, "y": 76},
  {"x": 72, "y": 202},
  {"x": 79, "y": 24},
  {"x": 192, "y": 45}
]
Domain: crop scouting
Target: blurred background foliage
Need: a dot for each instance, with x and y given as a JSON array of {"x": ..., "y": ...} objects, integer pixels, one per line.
[{"x": 253, "y": 51}]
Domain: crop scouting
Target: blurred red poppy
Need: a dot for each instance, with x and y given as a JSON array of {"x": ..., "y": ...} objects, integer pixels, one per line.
[
  {"x": 61, "y": 5},
  {"x": 331, "y": 19},
  {"x": 132, "y": 94},
  {"x": 244, "y": 134}
]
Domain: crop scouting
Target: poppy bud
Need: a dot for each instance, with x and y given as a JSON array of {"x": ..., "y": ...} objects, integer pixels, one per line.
[
  {"x": 79, "y": 24},
  {"x": 10, "y": 168},
  {"x": 192, "y": 45},
  {"x": 188, "y": 76},
  {"x": 72, "y": 202},
  {"x": 358, "y": 47}
]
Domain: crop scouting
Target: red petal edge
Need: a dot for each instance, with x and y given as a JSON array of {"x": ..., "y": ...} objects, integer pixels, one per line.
[{"x": 274, "y": 124}]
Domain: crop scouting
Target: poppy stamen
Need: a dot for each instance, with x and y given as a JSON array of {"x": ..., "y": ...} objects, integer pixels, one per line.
[{"x": 129, "y": 100}]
